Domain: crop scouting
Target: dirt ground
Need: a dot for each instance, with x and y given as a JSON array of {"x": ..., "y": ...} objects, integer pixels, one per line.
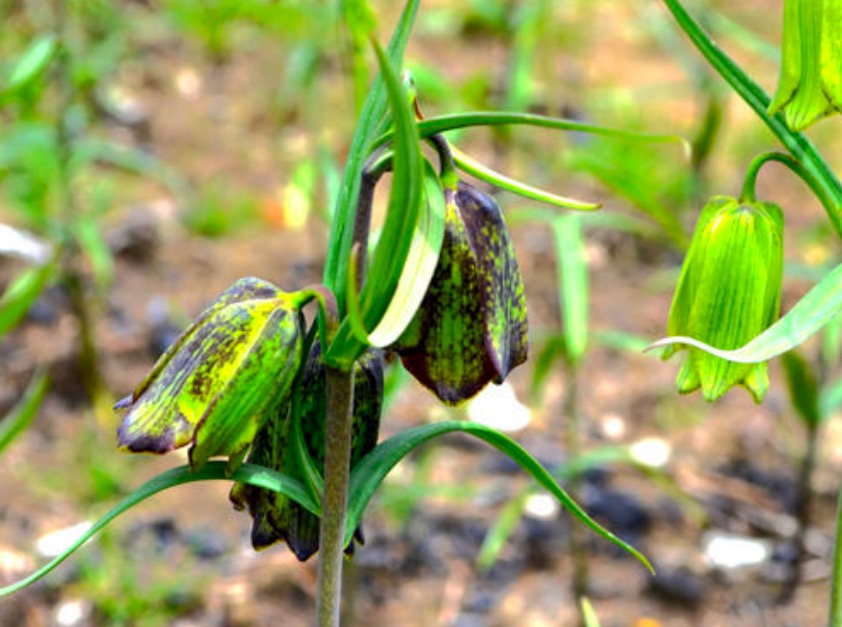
[{"x": 183, "y": 558}]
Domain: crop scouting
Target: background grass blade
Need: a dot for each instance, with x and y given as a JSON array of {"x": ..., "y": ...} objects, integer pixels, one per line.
[{"x": 22, "y": 414}]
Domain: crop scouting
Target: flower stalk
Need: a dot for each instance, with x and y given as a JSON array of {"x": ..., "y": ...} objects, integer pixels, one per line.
[{"x": 340, "y": 403}]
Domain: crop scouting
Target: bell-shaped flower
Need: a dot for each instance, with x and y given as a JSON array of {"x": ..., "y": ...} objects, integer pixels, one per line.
[
  {"x": 471, "y": 327},
  {"x": 728, "y": 293},
  {"x": 810, "y": 83},
  {"x": 211, "y": 387},
  {"x": 299, "y": 427}
]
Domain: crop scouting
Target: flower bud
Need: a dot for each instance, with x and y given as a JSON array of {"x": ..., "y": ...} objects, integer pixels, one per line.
[
  {"x": 209, "y": 389},
  {"x": 471, "y": 327},
  {"x": 810, "y": 84},
  {"x": 276, "y": 517},
  {"x": 728, "y": 293}
]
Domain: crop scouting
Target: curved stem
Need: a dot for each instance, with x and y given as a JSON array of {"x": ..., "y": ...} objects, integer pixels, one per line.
[
  {"x": 822, "y": 180},
  {"x": 750, "y": 181},
  {"x": 375, "y": 167},
  {"x": 447, "y": 167}
]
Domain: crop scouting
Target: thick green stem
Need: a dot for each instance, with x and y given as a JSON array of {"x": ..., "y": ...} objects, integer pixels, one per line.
[{"x": 340, "y": 401}]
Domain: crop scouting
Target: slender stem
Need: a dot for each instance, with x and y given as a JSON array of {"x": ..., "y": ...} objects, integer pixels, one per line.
[
  {"x": 573, "y": 442},
  {"x": 835, "y": 619},
  {"x": 802, "y": 515},
  {"x": 340, "y": 400},
  {"x": 447, "y": 167},
  {"x": 822, "y": 181},
  {"x": 67, "y": 214},
  {"x": 750, "y": 181}
]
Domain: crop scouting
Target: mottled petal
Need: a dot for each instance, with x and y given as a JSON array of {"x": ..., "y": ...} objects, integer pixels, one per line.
[{"x": 471, "y": 327}]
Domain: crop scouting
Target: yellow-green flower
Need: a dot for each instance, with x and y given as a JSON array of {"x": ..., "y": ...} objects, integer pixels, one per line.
[
  {"x": 211, "y": 387},
  {"x": 728, "y": 293},
  {"x": 810, "y": 84}
]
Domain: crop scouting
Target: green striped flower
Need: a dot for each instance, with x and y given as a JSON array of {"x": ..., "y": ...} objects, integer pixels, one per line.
[
  {"x": 212, "y": 386},
  {"x": 810, "y": 84},
  {"x": 728, "y": 293}
]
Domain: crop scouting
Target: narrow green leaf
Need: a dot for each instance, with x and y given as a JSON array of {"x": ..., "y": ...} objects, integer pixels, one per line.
[
  {"x": 811, "y": 313},
  {"x": 368, "y": 475},
  {"x": 505, "y": 524},
  {"x": 453, "y": 121},
  {"x": 19, "y": 296},
  {"x": 502, "y": 529},
  {"x": 419, "y": 266},
  {"x": 620, "y": 340},
  {"x": 572, "y": 279},
  {"x": 397, "y": 237},
  {"x": 135, "y": 161},
  {"x": 17, "y": 420},
  {"x": 33, "y": 61},
  {"x": 588, "y": 613},
  {"x": 803, "y": 388},
  {"x": 93, "y": 244},
  {"x": 344, "y": 216},
  {"x": 212, "y": 471},
  {"x": 543, "y": 364},
  {"x": 417, "y": 273},
  {"x": 468, "y": 164}
]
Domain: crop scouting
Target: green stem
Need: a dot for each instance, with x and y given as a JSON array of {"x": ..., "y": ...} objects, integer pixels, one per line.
[
  {"x": 750, "y": 181},
  {"x": 573, "y": 437},
  {"x": 835, "y": 619},
  {"x": 340, "y": 400},
  {"x": 447, "y": 167},
  {"x": 67, "y": 214},
  {"x": 822, "y": 180}
]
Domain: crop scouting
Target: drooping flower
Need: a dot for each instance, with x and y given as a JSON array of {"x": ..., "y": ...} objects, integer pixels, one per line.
[
  {"x": 278, "y": 446},
  {"x": 212, "y": 386},
  {"x": 471, "y": 327},
  {"x": 728, "y": 293},
  {"x": 810, "y": 83}
]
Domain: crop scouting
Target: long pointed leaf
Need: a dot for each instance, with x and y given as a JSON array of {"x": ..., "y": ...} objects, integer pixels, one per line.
[
  {"x": 395, "y": 243},
  {"x": 33, "y": 61},
  {"x": 212, "y": 471},
  {"x": 811, "y": 313},
  {"x": 19, "y": 296},
  {"x": 453, "y": 121},
  {"x": 468, "y": 164},
  {"x": 341, "y": 235},
  {"x": 417, "y": 273},
  {"x": 370, "y": 472},
  {"x": 22, "y": 414},
  {"x": 572, "y": 284}
]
